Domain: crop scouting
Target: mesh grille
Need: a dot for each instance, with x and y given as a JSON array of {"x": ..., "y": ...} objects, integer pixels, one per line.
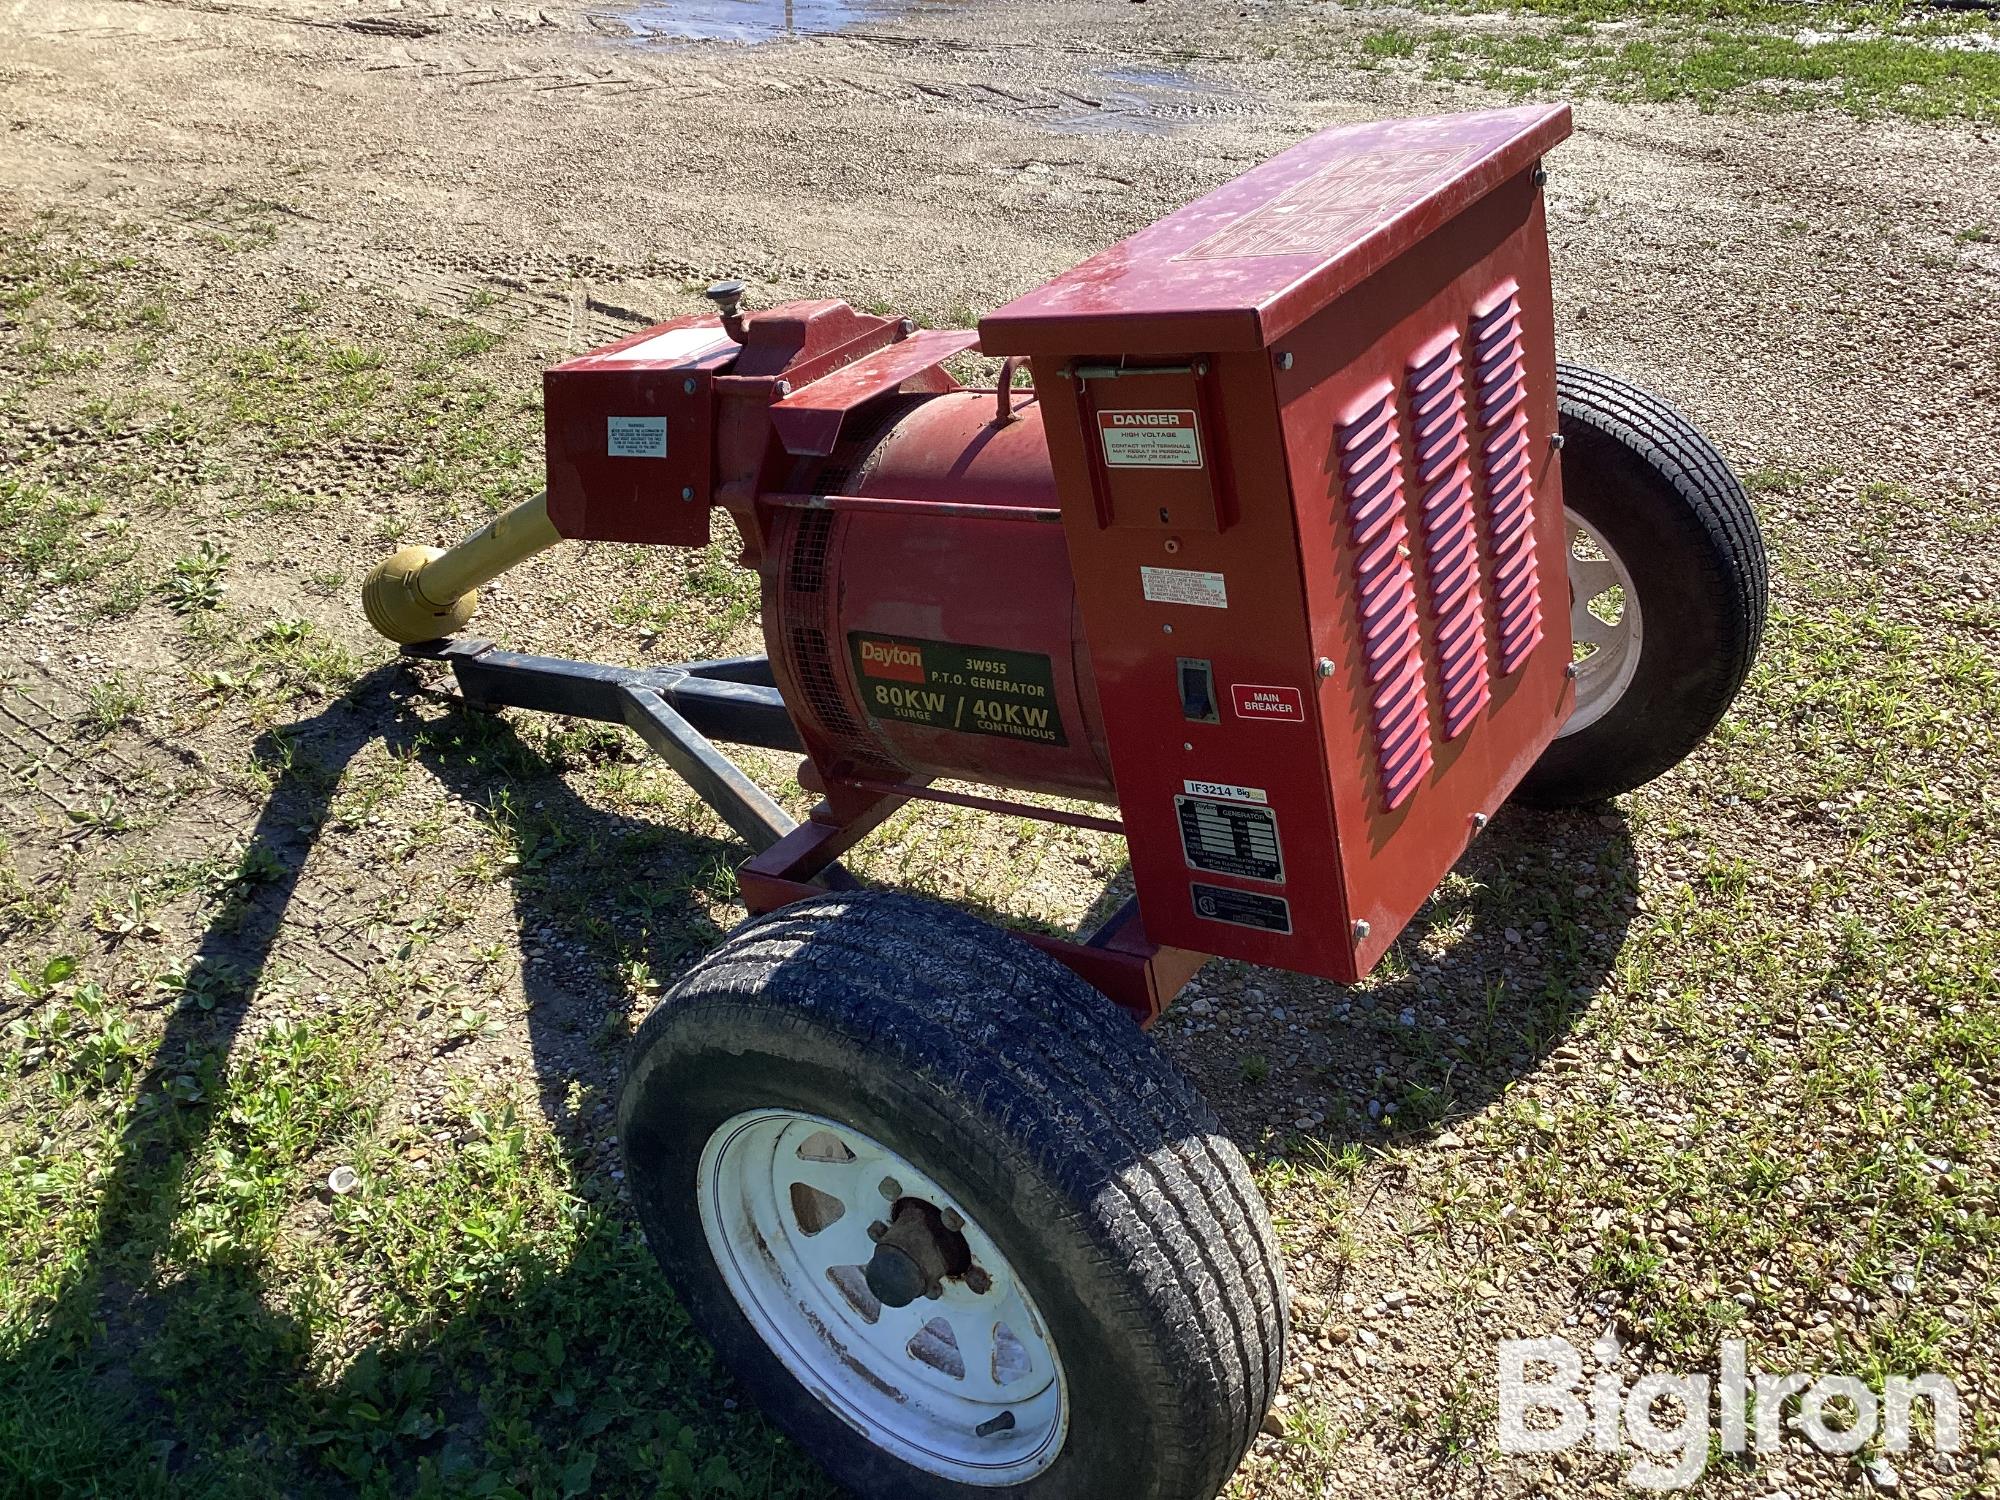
[
  {"x": 1450, "y": 530},
  {"x": 1501, "y": 373},
  {"x": 1371, "y": 471},
  {"x": 807, "y": 604}
]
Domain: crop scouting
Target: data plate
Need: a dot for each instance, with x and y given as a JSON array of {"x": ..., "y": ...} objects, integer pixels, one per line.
[
  {"x": 1231, "y": 838},
  {"x": 1242, "y": 908}
]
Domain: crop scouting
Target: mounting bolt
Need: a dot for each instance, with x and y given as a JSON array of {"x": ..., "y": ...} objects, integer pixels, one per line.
[
  {"x": 1570, "y": 671},
  {"x": 877, "y": 1230},
  {"x": 1479, "y": 821},
  {"x": 687, "y": 387},
  {"x": 1166, "y": 630},
  {"x": 783, "y": 388},
  {"x": 908, "y": 325},
  {"x": 1540, "y": 175},
  {"x": 1172, "y": 545},
  {"x": 1285, "y": 360},
  {"x": 951, "y": 1219},
  {"x": 889, "y": 1188},
  {"x": 687, "y": 492},
  {"x": 1324, "y": 666},
  {"x": 1360, "y": 932},
  {"x": 1201, "y": 367},
  {"x": 1555, "y": 440}
]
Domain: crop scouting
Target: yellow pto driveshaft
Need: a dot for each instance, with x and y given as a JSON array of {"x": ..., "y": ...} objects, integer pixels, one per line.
[{"x": 422, "y": 593}]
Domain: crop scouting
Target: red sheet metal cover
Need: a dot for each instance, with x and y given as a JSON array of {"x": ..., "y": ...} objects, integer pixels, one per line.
[{"x": 1245, "y": 265}]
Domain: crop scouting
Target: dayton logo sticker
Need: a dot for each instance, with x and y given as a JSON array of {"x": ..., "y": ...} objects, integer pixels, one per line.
[{"x": 891, "y": 659}]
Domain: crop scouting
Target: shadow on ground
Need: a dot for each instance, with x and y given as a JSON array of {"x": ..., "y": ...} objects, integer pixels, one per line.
[{"x": 572, "y": 1374}]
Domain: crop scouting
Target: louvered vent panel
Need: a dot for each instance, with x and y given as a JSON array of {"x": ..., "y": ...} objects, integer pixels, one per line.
[
  {"x": 1371, "y": 473},
  {"x": 1500, "y": 372},
  {"x": 1442, "y": 445}
]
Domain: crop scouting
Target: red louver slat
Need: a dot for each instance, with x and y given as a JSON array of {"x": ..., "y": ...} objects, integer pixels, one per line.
[
  {"x": 1371, "y": 469},
  {"x": 1443, "y": 448},
  {"x": 1500, "y": 395}
]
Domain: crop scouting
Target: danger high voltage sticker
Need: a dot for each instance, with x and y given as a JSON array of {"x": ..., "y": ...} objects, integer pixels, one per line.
[{"x": 973, "y": 689}]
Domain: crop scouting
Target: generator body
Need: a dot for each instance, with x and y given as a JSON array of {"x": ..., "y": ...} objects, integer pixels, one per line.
[{"x": 1271, "y": 557}]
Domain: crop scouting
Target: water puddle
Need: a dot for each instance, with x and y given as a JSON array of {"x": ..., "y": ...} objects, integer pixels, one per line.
[{"x": 760, "y": 20}]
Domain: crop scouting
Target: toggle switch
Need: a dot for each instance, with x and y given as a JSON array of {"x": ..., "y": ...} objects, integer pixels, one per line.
[{"x": 1197, "y": 690}]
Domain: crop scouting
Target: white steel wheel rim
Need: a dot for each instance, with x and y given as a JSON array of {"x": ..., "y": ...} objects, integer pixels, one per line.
[
  {"x": 965, "y": 1386},
  {"x": 1605, "y": 624}
]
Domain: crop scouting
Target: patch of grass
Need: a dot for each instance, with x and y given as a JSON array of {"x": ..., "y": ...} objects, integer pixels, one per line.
[
  {"x": 194, "y": 582},
  {"x": 1865, "y": 59}
]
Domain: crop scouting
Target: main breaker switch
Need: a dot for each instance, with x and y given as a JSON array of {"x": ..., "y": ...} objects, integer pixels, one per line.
[{"x": 1197, "y": 690}]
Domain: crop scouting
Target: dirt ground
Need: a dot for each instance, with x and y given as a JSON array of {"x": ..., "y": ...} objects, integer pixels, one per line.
[{"x": 1547, "y": 1115}]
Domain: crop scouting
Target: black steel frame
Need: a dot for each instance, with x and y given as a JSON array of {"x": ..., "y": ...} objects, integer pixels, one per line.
[{"x": 679, "y": 710}]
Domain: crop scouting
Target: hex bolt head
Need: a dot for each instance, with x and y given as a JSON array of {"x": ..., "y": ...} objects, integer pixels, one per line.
[
  {"x": 1540, "y": 175},
  {"x": 951, "y": 1219},
  {"x": 1324, "y": 666},
  {"x": 1479, "y": 821},
  {"x": 688, "y": 387},
  {"x": 1556, "y": 440},
  {"x": 1360, "y": 932},
  {"x": 1571, "y": 671},
  {"x": 783, "y": 388},
  {"x": 889, "y": 1188},
  {"x": 977, "y": 1281},
  {"x": 877, "y": 1230},
  {"x": 687, "y": 492},
  {"x": 1285, "y": 360}
]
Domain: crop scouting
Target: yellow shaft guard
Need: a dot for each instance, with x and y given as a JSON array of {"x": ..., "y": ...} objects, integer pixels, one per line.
[{"x": 422, "y": 594}]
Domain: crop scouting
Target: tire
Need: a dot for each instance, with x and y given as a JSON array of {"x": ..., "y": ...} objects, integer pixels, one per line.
[
  {"x": 1679, "y": 529},
  {"x": 1092, "y": 1172}
]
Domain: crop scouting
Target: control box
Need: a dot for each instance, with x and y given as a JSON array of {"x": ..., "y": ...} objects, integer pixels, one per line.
[{"x": 1302, "y": 432}]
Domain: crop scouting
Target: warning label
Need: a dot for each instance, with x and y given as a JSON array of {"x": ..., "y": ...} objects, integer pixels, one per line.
[
  {"x": 1242, "y": 908},
  {"x": 1231, "y": 838},
  {"x": 973, "y": 689},
  {"x": 636, "y": 437},
  {"x": 1184, "y": 586},
  {"x": 1150, "y": 439},
  {"x": 1284, "y": 704}
]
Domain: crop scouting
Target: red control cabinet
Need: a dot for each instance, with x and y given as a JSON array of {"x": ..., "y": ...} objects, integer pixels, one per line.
[{"x": 1302, "y": 435}]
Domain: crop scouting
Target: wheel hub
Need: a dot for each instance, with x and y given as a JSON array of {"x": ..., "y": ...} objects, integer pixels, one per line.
[
  {"x": 1605, "y": 623},
  {"x": 883, "y": 1296}
]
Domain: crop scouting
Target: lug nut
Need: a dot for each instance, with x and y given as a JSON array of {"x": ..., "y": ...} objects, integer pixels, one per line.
[
  {"x": 889, "y": 1188},
  {"x": 951, "y": 1219}
]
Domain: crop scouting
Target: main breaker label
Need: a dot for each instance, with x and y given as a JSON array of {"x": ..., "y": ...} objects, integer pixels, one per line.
[
  {"x": 636, "y": 437},
  {"x": 1286, "y": 705},
  {"x": 973, "y": 689},
  {"x": 1150, "y": 439},
  {"x": 1231, "y": 838},
  {"x": 1184, "y": 586},
  {"x": 1242, "y": 908}
]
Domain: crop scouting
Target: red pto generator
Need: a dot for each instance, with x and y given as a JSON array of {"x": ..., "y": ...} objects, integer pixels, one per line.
[{"x": 1300, "y": 555}]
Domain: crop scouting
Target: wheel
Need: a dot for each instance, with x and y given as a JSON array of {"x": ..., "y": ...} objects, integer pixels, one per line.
[
  {"x": 1668, "y": 581},
  {"x": 953, "y": 1221}
]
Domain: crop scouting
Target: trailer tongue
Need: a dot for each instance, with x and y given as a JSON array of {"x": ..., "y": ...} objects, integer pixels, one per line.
[{"x": 1280, "y": 558}]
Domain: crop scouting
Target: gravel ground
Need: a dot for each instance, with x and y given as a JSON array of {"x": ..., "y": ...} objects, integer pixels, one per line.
[{"x": 1717, "y": 1062}]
